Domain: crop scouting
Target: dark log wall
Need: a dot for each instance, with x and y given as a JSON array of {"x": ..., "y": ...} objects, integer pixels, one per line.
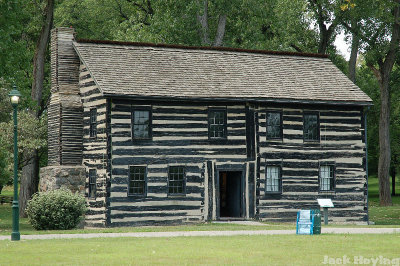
[
  {"x": 341, "y": 143},
  {"x": 180, "y": 137},
  {"x": 94, "y": 148}
]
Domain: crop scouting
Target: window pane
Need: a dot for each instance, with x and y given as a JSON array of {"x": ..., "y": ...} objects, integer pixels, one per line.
[
  {"x": 92, "y": 183},
  {"x": 141, "y": 124},
  {"x": 217, "y": 124},
  {"x": 137, "y": 180},
  {"x": 326, "y": 177},
  {"x": 272, "y": 179},
  {"x": 176, "y": 180},
  {"x": 273, "y": 125},
  {"x": 311, "y": 128}
]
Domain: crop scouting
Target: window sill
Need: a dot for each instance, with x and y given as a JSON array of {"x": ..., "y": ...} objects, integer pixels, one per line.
[
  {"x": 176, "y": 195},
  {"x": 136, "y": 195},
  {"x": 274, "y": 193}
]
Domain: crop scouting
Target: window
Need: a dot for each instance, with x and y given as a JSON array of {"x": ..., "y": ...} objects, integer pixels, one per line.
[
  {"x": 176, "y": 180},
  {"x": 326, "y": 178},
  {"x": 311, "y": 127},
  {"x": 273, "y": 179},
  {"x": 216, "y": 123},
  {"x": 274, "y": 125},
  {"x": 92, "y": 183},
  {"x": 93, "y": 123},
  {"x": 137, "y": 181},
  {"x": 141, "y": 124}
]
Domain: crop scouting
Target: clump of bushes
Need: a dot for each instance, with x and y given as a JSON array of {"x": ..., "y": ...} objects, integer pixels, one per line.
[{"x": 56, "y": 210}]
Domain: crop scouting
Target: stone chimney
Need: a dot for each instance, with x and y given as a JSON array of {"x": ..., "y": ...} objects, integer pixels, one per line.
[{"x": 65, "y": 117}]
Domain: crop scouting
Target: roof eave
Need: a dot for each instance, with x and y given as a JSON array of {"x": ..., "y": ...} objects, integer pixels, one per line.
[{"x": 228, "y": 99}]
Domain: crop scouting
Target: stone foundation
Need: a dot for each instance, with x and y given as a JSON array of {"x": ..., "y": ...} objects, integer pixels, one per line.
[{"x": 55, "y": 177}]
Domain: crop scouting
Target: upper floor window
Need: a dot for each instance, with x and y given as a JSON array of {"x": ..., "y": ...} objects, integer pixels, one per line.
[
  {"x": 141, "y": 123},
  {"x": 93, "y": 123},
  {"x": 326, "y": 178},
  {"x": 176, "y": 180},
  {"x": 217, "y": 123},
  {"x": 274, "y": 125},
  {"x": 137, "y": 180},
  {"x": 311, "y": 127},
  {"x": 273, "y": 179},
  {"x": 92, "y": 183}
]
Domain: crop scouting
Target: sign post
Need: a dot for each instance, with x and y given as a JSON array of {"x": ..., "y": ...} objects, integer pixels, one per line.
[{"x": 325, "y": 203}]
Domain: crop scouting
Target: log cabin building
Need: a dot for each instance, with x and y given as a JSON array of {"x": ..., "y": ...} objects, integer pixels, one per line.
[{"x": 167, "y": 134}]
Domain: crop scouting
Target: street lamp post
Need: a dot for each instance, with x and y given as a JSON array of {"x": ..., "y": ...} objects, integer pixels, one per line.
[{"x": 15, "y": 235}]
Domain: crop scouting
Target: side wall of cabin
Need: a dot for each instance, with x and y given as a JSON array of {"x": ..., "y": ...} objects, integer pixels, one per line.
[
  {"x": 95, "y": 156},
  {"x": 341, "y": 144}
]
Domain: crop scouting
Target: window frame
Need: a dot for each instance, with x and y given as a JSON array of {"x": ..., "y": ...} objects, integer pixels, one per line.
[
  {"x": 92, "y": 186},
  {"x": 280, "y": 190},
  {"x": 150, "y": 130},
  {"x": 144, "y": 194},
  {"x": 318, "y": 127},
  {"x": 280, "y": 125},
  {"x": 225, "y": 126},
  {"x": 183, "y": 181},
  {"x": 93, "y": 123},
  {"x": 332, "y": 185}
]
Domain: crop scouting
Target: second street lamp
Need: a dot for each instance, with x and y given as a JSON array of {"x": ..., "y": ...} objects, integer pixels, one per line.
[{"x": 14, "y": 97}]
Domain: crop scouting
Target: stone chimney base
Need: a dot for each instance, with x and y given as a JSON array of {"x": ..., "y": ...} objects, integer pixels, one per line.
[{"x": 58, "y": 176}]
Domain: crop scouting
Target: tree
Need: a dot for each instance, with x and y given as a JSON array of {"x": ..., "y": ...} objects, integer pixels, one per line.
[
  {"x": 381, "y": 61},
  {"x": 30, "y": 173},
  {"x": 328, "y": 16}
]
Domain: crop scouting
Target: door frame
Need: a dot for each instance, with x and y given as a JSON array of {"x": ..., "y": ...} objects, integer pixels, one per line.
[{"x": 231, "y": 168}]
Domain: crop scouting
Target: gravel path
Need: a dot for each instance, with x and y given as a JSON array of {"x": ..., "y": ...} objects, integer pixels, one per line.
[{"x": 329, "y": 230}]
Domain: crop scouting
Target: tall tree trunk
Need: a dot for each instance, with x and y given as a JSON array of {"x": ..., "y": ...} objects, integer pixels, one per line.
[
  {"x": 30, "y": 172},
  {"x": 384, "y": 144},
  {"x": 29, "y": 182},
  {"x": 219, "y": 36},
  {"x": 393, "y": 174},
  {"x": 383, "y": 77},
  {"x": 203, "y": 21},
  {"x": 355, "y": 43}
]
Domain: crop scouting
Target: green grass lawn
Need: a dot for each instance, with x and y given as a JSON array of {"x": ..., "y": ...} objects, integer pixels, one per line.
[
  {"x": 234, "y": 250},
  {"x": 7, "y": 191},
  {"x": 383, "y": 215}
]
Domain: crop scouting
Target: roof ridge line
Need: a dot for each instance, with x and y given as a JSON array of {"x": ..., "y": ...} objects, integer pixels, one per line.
[{"x": 227, "y": 49}]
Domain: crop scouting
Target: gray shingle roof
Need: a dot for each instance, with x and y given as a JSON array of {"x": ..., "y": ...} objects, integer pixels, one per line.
[{"x": 151, "y": 71}]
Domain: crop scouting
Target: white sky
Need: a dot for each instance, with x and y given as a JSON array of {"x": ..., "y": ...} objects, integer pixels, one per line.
[{"x": 342, "y": 46}]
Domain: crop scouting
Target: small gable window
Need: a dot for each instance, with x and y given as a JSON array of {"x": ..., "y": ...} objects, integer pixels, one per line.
[
  {"x": 176, "y": 180},
  {"x": 93, "y": 123},
  {"x": 141, "y": 123},
  {"x": 274, "y": 125},
  {"x": 311, "y": 127},
  {"x": 326, "y": 178},
  {"x": 92, "y": 183},
  {"x": 217, "y": 123},
  {"x": 273, "y": 179},
  {"x": 137, "y": 181}
]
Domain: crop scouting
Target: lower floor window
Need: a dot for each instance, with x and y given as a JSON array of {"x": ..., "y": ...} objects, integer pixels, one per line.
[
  {"x": 273, "y": 179},
  {"x": 176, "y": 180},
  {"x": 137, "y": 180},
  {"x": 326, "y": 178},
  {"x": 92, "y": 183}
]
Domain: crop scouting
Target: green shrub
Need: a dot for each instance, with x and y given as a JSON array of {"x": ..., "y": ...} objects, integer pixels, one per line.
[{"x": 58, "y": 209}]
